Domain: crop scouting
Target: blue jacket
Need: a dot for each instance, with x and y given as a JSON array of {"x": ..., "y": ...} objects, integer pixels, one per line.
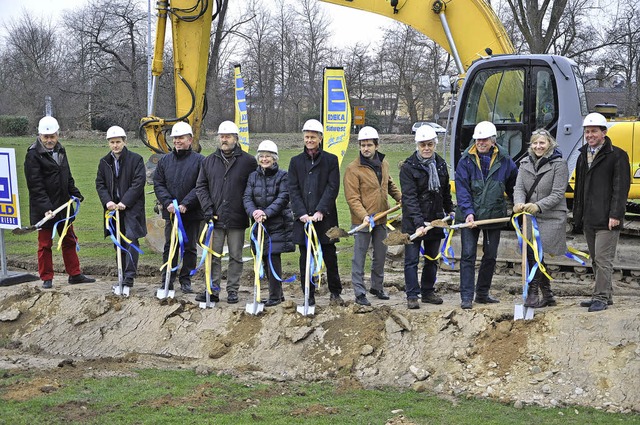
[{"x": 484, "y": 198}]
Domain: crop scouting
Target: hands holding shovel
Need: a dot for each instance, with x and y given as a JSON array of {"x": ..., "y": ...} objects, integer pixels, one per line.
[
  {"x": 336, "y": 232},
  {"x": 47, "y": 216}
]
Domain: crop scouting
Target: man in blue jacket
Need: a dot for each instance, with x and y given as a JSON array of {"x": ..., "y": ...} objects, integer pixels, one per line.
[
  {"x": 484, "y": 174},
  {"x": 175, "y": 178}
]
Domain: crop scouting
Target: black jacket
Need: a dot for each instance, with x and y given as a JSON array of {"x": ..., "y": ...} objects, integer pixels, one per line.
[
  {"x": 50, "y": 185},
  {"x": 418, "y": 203},
  {"x": 221, "y": 189},
  {"x": 313, "y": 186},
  {"x": 130, "y": 190},
  {"x": 175, "y": 178},
  {"x": 601, "y": 191},
  {"x": 268, "y": 190}
]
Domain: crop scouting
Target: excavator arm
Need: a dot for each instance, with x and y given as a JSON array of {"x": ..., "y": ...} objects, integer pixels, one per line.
[
  {"x": 464, "y": 28},
  {"x": 191, "y": 29}
]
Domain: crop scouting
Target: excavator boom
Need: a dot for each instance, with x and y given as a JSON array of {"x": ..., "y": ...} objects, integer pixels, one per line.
[{"x": 464, "y": 28}]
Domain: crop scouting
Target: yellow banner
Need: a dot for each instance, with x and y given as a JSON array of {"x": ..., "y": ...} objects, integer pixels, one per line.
[
  {"x": 241, "y": 119},
  {"x": 336, "y": 112}
]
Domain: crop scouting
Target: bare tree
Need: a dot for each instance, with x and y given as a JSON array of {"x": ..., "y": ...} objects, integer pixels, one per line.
[
  {"x": 113, "y": 33},
  {"x": 538, "y": 21},
  {"x": 34, "y": 65}
]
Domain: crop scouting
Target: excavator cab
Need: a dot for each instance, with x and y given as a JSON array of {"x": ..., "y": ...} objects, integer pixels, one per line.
[
  {"x": 517, "y": 96},
  {"x": 521, "y": 94}
]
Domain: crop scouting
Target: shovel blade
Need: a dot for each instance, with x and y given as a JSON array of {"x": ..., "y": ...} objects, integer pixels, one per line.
[
  {"x": 254, "y": 308},
  {"x": 307, "y": 310},
  {"x": 523, "y": 313},
  {"x": 165, "y": 293},
  {"x": 207, "y": 303},
  {"x": 125, "y": 291},
  {"x": 23, "y": 230}
]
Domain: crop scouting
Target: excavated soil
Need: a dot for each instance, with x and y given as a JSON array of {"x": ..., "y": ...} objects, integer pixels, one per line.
[{"x": 564, "y": 356}]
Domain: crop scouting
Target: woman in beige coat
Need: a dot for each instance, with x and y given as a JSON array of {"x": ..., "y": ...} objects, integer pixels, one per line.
[{"x": 540, "y": 188}]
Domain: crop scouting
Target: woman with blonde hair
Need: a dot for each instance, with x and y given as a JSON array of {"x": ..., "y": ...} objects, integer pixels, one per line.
[{"x": 540, "y": 188}]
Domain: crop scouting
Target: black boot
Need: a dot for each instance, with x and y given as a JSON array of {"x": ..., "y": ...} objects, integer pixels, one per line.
[
  {"x": 532, "y": 299},
  {"x": 547, "y": 294}
]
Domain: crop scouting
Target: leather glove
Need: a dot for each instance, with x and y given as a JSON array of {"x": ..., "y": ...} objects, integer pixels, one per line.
[
  {"x": 531, "y": 208},
  {"x": 518, "y": 208}
]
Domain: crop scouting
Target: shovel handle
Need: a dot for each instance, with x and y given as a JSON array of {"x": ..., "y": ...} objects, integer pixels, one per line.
[
  {"x": 429, "y": 227},
  {"x": 375, "y": 217},
  {"x": 481, "y": 222},
  {"x": 53, "y": 214}
]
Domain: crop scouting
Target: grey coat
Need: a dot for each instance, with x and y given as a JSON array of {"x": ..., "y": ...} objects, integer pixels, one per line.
[{"x": 549, "y": 197}]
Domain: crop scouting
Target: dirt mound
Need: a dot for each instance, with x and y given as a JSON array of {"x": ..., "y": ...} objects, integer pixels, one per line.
[{"x": 563, "y": 356}]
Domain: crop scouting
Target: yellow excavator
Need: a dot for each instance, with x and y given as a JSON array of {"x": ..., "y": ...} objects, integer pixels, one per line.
[{"x": 518, "y": 93}]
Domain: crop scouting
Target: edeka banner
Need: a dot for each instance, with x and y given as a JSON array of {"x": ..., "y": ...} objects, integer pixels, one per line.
[
  {"x": 242, "y": 120},
  {"x": 336, "y": 112},
  {"x": 9, "y": 203}
]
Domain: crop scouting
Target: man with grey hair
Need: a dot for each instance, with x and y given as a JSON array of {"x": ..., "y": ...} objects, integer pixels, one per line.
[
  {"x": 426, "y": 196},
  {"x": 483, "y": 174},
  {"x": 220, "y": 189},
  {"x": 50, "y": 185}
]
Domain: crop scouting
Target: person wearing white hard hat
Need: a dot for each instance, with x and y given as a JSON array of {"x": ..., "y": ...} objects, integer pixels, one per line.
[
  {"x": 540, "y": 190},
  {"x": 266, "y": 200},
  {"x": 220, "y": 189},
  {"x": 50, "y": 185},
  {"x": 120, "y": 185},
  {"x": 603, "y": 179},
  {"x": 175, "y": 178},
  {"x": 367, "y": 186},
  {"x": 314, "y": 183},
  {"x": 426, "y": 196},
  {"x": 484, "y": 174}
]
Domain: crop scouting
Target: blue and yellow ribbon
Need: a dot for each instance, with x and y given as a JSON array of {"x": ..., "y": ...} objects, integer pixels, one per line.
[
  {"x": 317, "y": 262},
  {"x": 206, "y": 242},
  {"x": 111, "y": 223},
  {"x": 267, "y": 237},
  {"x": 535, "y": 244},
  {"x": 67, "y": 223}
]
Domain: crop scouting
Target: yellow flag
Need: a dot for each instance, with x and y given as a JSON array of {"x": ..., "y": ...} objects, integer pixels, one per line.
[
  {"x": 336, "y": 112},
  {"x": 241, "y": 119}
]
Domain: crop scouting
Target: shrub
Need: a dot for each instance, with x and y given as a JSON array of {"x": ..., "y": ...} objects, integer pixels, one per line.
[{"x": 14, "y": 125}]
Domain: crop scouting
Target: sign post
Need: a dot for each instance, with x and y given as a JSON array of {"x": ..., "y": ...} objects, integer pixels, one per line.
[{"x": 9, "y": 214}]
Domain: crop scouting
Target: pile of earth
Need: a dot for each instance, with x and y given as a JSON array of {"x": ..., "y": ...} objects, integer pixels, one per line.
[{"x": 564, "y": 356}]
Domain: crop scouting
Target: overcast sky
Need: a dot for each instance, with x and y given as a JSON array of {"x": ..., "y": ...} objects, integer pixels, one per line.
[{"x": 349, "y": 25}]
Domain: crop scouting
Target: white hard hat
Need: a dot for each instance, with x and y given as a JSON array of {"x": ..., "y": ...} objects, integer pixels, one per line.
[
  {"x": 595, "y": 119},
  {"x": 180, "y": 129},
  {"x": 425, "y": 132},
  {"x": 48, "y": 125},
  {"x": 228, "y": 127},
  {"x": 484, "y": 130},
  {"x": 313, "y": 125},
  {"x": 367, "y": 133},
  {"x": 268, "y": 146},
  {"x": 116, "y": 131}
]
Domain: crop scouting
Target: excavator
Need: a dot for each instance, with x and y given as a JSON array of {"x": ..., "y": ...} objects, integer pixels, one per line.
[{"x": 518, "y": 93}]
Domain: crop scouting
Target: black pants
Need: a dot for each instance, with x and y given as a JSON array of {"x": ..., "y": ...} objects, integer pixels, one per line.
[
  {"x": 275, "y": 286},
  {"x": 331, "y": 263},
  {"x": 192, "y": 229}
]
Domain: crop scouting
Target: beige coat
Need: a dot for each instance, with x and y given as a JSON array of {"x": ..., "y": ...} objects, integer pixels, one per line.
[{"x": 365, "y": 195}]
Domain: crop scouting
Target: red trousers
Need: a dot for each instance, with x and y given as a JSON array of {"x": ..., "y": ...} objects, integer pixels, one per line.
[{"x": 69, "y": 254}]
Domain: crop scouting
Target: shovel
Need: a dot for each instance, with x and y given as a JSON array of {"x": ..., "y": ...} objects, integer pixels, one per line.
[
  {"x": 441, "y": 223},
  {"x": 307, "y": 309},
  {"x": 38, "y": 225},
  {"x": 336, "y": 232},
  {"x": 120, "y": 288},
  {"x": 521, "y": 312},
  {"x": 256, "y": 306},
  {"x": 165, "y": 292}
]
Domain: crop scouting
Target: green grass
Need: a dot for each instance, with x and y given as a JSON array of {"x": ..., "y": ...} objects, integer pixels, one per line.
[
  {"x": 84, "y": 156},
  {"x": 167, "y": 397}
]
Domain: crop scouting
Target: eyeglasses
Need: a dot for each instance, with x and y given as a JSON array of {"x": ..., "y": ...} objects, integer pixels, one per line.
[{"x": 542, "y": 132}]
